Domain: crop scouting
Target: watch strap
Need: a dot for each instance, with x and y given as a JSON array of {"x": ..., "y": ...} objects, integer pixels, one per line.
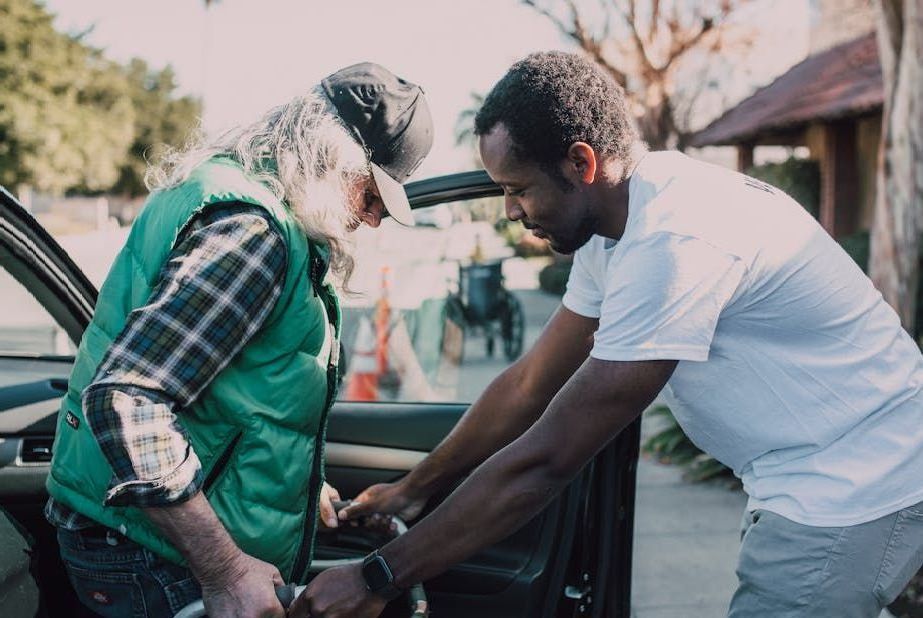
[{"x": 378, "y": 577}]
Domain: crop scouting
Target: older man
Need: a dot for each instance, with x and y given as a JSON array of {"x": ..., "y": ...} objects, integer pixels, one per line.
[{"x": 189, "y": 446}]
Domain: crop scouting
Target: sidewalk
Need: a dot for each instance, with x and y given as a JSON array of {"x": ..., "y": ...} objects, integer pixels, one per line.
[{"x": 685, "y": 545}]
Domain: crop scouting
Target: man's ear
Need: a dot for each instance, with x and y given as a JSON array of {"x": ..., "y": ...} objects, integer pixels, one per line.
[{"x": 580, "y": 163}]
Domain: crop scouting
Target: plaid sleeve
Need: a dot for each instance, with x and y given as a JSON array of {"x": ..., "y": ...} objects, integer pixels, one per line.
[{"x": 216, "y": 289}]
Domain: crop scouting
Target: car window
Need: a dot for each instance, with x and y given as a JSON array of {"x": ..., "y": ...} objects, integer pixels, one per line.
[
  {"x": 26, "y": 327},
  {"x": 438, "y": 310}
]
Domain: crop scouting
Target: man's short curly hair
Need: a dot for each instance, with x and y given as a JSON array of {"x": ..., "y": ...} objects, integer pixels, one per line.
[{"x": 550, "y": 100}]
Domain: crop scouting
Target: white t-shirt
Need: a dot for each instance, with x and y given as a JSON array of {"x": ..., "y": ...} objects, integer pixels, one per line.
[{"x": 793, "y": 370}]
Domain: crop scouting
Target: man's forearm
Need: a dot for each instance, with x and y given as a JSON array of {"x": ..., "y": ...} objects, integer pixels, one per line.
[
  {"x": 500, "y": 415},
  {"x": 194, "y": 529},
  {"x": 515, "y": 484},
  {"x": 509, "y": 405},
  {"x": 474, "y": 518}
]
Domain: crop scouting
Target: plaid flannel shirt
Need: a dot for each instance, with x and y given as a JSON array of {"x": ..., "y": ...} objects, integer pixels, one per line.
[{"x": 217, "y": 287}]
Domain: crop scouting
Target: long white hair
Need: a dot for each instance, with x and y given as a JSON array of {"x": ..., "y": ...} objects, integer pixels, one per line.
[{"x": 307, "y": 158}]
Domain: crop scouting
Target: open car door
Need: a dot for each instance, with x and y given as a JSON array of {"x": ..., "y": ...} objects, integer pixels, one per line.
[
  {"x": 444, "y": 308},
  {"x": 45, "y": 305}
]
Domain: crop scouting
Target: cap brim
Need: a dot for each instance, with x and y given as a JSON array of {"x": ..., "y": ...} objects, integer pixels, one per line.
[{"x": 393, "y": 196}]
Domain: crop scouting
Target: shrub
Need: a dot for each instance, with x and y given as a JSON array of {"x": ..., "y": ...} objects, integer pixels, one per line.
[
  {"x": 553, "y": 278},
  {"x": 800, "y": 178},
  {"x": 670, "y": 445}
]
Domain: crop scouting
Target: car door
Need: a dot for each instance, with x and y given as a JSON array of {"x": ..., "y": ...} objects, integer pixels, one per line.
[
  {"x": 45, "y": 305},
  {"x": 572, "y": 559},
  {"x": 420, "y": 307}
]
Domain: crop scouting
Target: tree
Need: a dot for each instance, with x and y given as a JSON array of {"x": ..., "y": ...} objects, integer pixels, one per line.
[
  {"x": 895, "y": 238},
  {"x": 161, "y": 119},
  {"x": 72, "y": 120},
  {"x": 645, "y": 45},
  {"x": 64, "y": 120}
]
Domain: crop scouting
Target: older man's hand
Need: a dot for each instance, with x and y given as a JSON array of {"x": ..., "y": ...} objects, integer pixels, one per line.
[
  {"x": 338, "y": 593},
  {"x": 325, "y": 511},
  {"x": 244, "y": 590}
]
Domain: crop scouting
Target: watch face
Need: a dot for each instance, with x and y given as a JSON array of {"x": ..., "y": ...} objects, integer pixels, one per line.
[{"x": 376, "y": 573}]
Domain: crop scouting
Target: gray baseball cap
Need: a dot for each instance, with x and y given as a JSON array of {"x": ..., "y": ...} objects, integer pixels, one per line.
[{"x": 389, "y": 117}]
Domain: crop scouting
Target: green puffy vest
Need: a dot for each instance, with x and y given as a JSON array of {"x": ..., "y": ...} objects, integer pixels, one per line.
[{"x": 258, "y": 428}]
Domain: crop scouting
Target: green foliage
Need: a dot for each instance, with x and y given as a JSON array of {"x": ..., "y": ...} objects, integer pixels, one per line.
[
  {"x": 800, "y": 178},
  {"x": 553, "y": 278},
  {"x": 70, "y": 119},
  {"x": 857, "y": 246},
  {"x": 161, "y": 120},
  {"x": 669, "y": 444}
]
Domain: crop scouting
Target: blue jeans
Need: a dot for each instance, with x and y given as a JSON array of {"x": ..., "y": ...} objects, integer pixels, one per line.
[{"x": 114, "y": 576}]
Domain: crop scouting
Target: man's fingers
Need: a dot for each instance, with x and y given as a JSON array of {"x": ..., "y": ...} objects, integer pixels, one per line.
[
  {"x": 301, "y": 607},
  {"x": 354, "y": 510},
  {"x": 328, "y": 515},
  {"x": 277, "y": 577}
]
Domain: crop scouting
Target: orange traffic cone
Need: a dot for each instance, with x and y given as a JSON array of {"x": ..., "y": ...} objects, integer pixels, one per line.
[
  {"x": 369, "y": 366},
  {"x": 362, "y": 384},
  {"x": 383, "y": 323}
]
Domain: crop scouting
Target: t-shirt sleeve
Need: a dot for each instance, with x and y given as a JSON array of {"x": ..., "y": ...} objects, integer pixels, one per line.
[
  {"x": 583, "y": 295},
  {"x": 663, "y": 298}
]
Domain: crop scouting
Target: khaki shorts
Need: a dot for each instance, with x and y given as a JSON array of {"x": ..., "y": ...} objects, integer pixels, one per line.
[{"x": 789, "y": 570}]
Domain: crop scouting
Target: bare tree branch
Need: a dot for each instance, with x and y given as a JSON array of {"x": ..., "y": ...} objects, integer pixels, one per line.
[
  {"x": 578, "y": 33},
  {"x": 680, "y": 47},
  {"x": 643, "y": 56},
  {"x": 631, "y": 19},
  {"x": 655, "y": 17}
]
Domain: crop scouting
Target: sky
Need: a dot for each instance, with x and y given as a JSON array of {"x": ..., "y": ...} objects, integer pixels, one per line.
[{"x": 244, "y": 56}]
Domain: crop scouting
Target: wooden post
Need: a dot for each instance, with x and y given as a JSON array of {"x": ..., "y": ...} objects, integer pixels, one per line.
[
  {"x": 839, "y": 171},
  {"x": 744, "y": 157}
]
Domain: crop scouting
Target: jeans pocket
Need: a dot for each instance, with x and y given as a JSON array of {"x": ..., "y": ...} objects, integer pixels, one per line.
[
  {"x": 181, "y": 593},
  {"x": 108, "y": 593}
]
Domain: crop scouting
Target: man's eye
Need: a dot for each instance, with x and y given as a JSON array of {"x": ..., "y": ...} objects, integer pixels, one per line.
[{"x": 515, "y": 192}]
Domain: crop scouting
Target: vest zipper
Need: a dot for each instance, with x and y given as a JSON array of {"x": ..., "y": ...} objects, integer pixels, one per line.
[
  {"x": 303, "y": 557},
  {"x": 221, "y": 462}
]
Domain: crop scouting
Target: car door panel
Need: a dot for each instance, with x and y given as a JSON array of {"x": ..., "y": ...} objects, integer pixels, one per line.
[
  {"x": 498, "y": 581},
  {"x": 393, "y": 424}
]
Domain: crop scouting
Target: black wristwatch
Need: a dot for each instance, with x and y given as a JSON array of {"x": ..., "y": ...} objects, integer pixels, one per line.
[{"x": 378, "y": 577}]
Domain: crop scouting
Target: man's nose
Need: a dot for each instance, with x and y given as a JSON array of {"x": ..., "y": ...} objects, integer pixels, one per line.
[
  {"x": 372, "y": 216},
  {"x": 514, "y": 211}
]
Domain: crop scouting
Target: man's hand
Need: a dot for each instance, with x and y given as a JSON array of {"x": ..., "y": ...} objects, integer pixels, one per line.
[
  {"x": 338, "y": 593},
  {"x": 325, "y": 510},
  {"x": 233, "y": 583},
  {"x": 247, "y": 589},
  {"x": 386, "y": 498}
]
